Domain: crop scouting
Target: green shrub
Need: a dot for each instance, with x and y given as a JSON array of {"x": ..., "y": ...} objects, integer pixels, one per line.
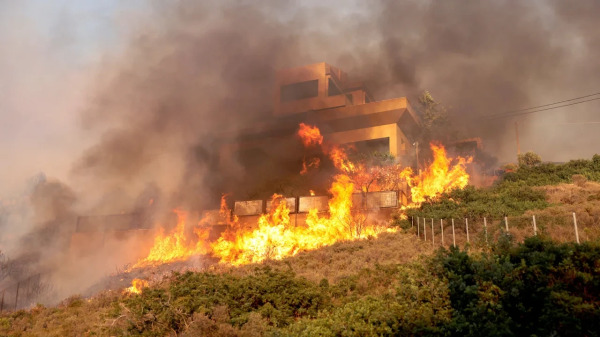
[
  {"x": 279, "y": 297},
  {"x": 388, "y": 300},
  {"x": 536, "y": 288}
]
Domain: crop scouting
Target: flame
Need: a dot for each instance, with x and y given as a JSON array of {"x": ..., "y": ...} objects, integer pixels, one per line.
[
  {"x": 276, "y": 238},
  {"x": 439, "y": 177},
  {"x": 136, "y": 286},
  {"x": 312, "y": 193},
  {"x": 340, "y": 160},
  {"x": 310, "y": 135},
  {"x": 176, "y": 246},
  {"x": 313, "y": 163}
]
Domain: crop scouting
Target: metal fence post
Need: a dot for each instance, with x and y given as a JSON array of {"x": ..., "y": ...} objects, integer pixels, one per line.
[
  {"x": 442, "y": 230},
  {"x": 424, "y": 230},
  {"x": 575, "y": 224},
  {"x": 17, "y": 295},
  {"x": 432, "y": 233},
  {"x": 485, "y": 230},
  {"x": 506, "y": 223},
  {"x": 467, "y": 226},
  {"x": 418, "y": 228},
  {"x": 534, "y": 226},
  {"x": 453, "y": 237}
]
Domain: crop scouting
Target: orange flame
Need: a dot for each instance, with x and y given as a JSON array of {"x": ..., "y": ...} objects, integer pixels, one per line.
[
  {"x": 176, "y": 246},
  {"x": 136, "y": 286},
  {"x": 275, "y": 237},
  {"x": 340, "y": 160},
  {"x": 310, "y": 135},
  {"x": 313, "y": 163},
  {"x": 439, "y": 177}
]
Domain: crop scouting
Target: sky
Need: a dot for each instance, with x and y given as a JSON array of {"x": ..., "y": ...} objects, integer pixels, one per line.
[{"x": 47, "y": 59}]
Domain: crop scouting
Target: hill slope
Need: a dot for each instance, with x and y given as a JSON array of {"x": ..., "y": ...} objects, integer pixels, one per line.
[{"x": 396, "y": 284}]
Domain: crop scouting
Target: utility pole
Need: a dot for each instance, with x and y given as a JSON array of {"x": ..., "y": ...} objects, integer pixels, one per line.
[
  {"x": 416, "y": 144},
  {"x": 518, "y": 144}
]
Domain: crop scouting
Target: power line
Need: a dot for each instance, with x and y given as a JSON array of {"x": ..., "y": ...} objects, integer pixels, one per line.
[
  {"x": 525, "y": 112},
  {"x": 577, "y": 123},
  {"x": 541, "y": 106}
]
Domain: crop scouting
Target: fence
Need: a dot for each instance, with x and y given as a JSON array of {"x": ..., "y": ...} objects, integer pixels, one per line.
[
  {"x": 483, "y": 231},
  {"x": 21, "y": 294}
]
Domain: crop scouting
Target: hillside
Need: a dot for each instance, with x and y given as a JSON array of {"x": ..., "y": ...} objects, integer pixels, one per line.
[
  {"x": 396, "y": 284},
  {"x": 371, "y": 287}
]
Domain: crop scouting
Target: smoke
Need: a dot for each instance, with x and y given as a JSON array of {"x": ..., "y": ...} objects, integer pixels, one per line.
[
  {"x": 200, "y": 73},
  {"x": 180, "y": 80}
]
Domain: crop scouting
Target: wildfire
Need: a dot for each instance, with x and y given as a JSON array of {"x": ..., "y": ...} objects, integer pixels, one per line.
[
  {"x": 276, "y": 237},
  {"x": 136, "y": 286},
  {"x": 176, "y": 246}
]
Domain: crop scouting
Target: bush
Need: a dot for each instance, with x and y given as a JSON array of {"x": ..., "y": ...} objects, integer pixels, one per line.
[
  {"x": 386, "y": 301},
  {"x": 502, "y": 200},
  {"x": 529, "y": 159},
  {"x": 537, "y": 288},
  {"x": 279, "y": 297}
]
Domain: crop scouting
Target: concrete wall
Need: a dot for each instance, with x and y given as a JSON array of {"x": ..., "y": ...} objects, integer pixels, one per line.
[
  {"x": 290, "y": 202},
  {"x": 249, "y": 207},
  {"x": 132, "y": 243},
  {"x": 376, "y": 200},
  {"x": 321, "y": 203}
]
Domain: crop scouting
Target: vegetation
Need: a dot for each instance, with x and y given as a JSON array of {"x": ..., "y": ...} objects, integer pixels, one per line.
[
  {"x": 552, "y": 174},
  {"x": 514, "y": 194},
  {"x": 380, "y": 287},
  {"x": 538, "y": 287},
  {"x": 529, "y": 159}
]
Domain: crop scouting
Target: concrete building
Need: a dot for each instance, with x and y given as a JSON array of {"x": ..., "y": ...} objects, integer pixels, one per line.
[{"x": 344, "y": 110}]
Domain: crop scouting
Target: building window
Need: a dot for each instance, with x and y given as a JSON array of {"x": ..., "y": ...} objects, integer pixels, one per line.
[
  {"x": 381, "y": 145},
  {"x": 332, "y": 89},
  {"x": 301, "y": 90}
]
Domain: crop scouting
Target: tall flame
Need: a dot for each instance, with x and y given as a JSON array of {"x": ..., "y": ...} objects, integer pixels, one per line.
[
  {"x": 176, "y": 246},
  {"x": 276, "y": 238},
  {"x": 439, "y": 177}
]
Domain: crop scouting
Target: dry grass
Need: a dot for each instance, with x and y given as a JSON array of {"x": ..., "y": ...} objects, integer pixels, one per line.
[{"x": 346, "y": 258}]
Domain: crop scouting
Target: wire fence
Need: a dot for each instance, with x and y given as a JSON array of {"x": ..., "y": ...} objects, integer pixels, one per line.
[
  {"x": 21, "y": 294},
  {"x": 480, "y": 232}
]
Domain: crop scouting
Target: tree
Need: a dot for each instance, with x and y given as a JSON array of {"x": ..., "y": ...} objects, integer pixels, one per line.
[
  {"x": 434, "y": 114},
  {"x": 529, "y": 159}
]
